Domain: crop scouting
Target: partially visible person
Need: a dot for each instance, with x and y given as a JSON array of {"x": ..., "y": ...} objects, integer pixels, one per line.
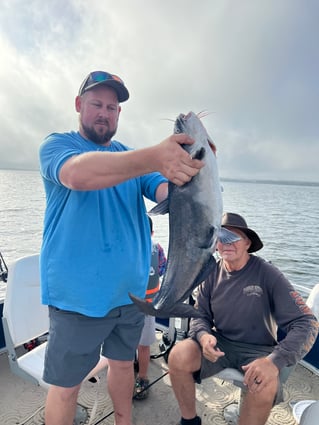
[
  {"x": 313, "y": 300},
  {"x": 96, "y": 244},
  {"x": 242, "y": 303},
  {"x": 148, "y": 337},
  {"x": 3, "y": 269}
]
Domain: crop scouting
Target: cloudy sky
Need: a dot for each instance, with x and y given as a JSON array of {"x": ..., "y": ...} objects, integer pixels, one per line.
[{"x": 254, "y": 64}]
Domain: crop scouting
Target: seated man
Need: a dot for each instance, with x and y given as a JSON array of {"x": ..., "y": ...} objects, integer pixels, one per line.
[{"x": 242, "y": 302}]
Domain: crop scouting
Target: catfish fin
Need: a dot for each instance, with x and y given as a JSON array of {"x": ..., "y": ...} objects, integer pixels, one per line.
[
  {"x": 181, "y": 310},
  {"x": 227, "y": 236},
  {"x": 144, "y": 306},
  {"x": 160, "y": 209},
  {"x": 176, "y": 310}
]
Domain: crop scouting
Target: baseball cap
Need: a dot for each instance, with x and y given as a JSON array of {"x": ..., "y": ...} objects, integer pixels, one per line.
[{"x": 97, "y": 78}]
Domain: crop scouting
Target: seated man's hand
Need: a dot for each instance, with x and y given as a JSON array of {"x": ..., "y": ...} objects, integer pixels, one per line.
[
  {"x": 260, "y": 373},
  {"x": 210, "y": 351}
]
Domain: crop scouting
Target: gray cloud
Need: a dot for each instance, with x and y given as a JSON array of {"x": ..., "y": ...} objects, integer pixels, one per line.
[{"x": 253, "y": 65}]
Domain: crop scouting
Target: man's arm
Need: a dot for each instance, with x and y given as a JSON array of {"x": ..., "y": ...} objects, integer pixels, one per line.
[
  {"x": 98, "y": 170},
  {"x": 161, "y": 192}
]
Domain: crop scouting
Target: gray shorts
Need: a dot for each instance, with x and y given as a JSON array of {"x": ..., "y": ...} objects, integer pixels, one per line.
[
  {"x": 238, "y": 354},
  {"x": 148, "y": 336},
  {"x": 76, "y": 341}
]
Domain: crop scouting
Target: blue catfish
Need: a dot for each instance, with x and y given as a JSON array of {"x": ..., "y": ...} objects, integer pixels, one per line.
[{"x": 195, "y": 212}]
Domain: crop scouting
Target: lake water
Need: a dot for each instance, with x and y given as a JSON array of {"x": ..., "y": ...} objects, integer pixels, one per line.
[{"x": 285, "y": 216}]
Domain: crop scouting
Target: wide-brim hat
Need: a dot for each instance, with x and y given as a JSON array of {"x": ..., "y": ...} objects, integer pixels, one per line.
[
  {"x": 238, "y": 222},
  {"x": 97, "y": 78}
]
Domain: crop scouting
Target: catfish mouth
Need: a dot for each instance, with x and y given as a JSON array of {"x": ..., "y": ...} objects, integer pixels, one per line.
[{"x": 179, "y": 124}]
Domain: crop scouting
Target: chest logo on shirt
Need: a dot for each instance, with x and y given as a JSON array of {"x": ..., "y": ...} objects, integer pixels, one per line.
[{"x": 253, "y": 290}]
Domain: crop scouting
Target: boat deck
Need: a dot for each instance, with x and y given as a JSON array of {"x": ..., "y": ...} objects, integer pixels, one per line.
[{"x": 22, "y": 403}]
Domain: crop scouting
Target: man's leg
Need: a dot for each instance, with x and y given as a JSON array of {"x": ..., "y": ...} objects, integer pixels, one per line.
[
  {"x": 144, "y": 353},
  {"x": 184, "y": 359},
  {"x": 256, "y": 407},
  {"x": 61, "y": 405},
  {"x": 120, "y": 382}
]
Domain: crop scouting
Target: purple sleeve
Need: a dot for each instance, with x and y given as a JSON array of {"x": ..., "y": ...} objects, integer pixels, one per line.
[{"x": 161, "y": 260}]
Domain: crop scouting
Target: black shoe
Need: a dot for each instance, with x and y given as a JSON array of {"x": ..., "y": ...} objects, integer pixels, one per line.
[
  {"x": 196, "y": 421},
  {"x": 141, "y": 389}
]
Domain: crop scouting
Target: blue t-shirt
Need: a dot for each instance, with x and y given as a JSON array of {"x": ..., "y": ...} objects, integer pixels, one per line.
[{"x": 96, "y": 244}]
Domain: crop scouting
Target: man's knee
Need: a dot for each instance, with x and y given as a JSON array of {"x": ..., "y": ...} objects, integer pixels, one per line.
[
  {"x": 120, "y": 365},
  {"x": 64, "y": 394},
  {"x": 185, "y": 355},
  {"x": 264, "y": 398}
]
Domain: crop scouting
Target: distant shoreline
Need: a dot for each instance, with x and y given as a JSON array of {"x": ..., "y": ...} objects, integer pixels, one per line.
[
  {"x": 279, "y": 182},
  {"x": 223, "y": 179}
]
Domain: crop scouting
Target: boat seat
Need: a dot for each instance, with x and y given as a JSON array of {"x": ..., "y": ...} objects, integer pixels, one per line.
[
  {"x": 313, "y": 300},
  {"x": 311, "y": 359},
  {"x": 25, "y": 318},
  {"x": 310, "y": 414},
  {"x": 231, "y": 411},
  {"x": 231, "y": 375}
]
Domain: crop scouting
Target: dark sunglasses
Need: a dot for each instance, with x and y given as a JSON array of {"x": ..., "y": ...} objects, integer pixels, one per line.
[{"x": 98, "y": 77}]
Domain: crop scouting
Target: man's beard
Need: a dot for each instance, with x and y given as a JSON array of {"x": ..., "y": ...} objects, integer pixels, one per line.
[{"x": 98, "y": 138}]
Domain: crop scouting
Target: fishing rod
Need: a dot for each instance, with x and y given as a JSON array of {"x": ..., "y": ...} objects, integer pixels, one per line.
[
  {"x": 3, "y": 269},
  {"x": 144, "y": 389},
  {"x": 25, "y": 421}
]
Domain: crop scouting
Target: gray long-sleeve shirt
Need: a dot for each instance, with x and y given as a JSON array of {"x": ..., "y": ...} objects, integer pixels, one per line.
[{"x": 248, "y": 305}]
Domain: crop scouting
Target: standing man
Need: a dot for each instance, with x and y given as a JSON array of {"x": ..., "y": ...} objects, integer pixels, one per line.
[{"x": 96, "y": 244}]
